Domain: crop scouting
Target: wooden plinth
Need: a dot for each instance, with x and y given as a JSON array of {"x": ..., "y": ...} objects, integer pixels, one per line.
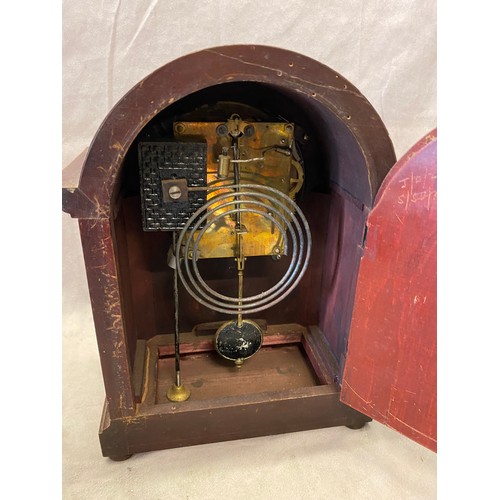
[{"x": 289, "y": 385}]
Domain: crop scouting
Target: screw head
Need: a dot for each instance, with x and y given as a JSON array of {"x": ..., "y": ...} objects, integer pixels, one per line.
[
  {"x": 175, "y": 192},
  {"x": 222, "y": 130},
  {"x": 249, "y": 131}
]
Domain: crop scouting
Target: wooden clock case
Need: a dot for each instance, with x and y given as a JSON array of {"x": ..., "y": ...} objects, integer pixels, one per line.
[{"x": 294, "y": 383}]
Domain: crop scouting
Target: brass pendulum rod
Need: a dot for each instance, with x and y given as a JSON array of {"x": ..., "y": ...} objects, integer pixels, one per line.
[
  {"x": 177, "y": 392},
  {"x": 240, "y": 260}
]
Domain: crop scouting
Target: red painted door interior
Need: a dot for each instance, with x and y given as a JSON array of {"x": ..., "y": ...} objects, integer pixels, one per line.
[{"x": 390, "y": 371}]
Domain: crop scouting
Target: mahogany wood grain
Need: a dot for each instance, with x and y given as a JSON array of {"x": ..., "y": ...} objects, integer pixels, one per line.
[{"x": 102, "y": 278}]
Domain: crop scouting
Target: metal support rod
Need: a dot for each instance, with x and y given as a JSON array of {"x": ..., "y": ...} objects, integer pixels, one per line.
[
  {"x": 236, "y": 168},
  {"x": 176, "y": 320},
  {"x": 241, "y": 266},
  {"x": 177, "y": 392},
  {"x": 240, "y": 259},
  {"x": 240, "y": 295}
]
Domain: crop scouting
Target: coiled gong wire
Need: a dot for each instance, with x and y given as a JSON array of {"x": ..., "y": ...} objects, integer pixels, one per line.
[{"x": 278, "y": 208}]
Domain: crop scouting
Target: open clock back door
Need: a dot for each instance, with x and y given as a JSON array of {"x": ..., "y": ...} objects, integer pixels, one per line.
[{"x": 390, "y": 371}]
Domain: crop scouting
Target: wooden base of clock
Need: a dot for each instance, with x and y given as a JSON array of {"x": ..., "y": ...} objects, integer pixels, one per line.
[{"x": 289, "y": 385}]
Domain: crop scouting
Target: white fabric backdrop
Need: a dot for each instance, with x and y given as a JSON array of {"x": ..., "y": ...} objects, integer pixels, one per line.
[{"x": 387, "y": 49}]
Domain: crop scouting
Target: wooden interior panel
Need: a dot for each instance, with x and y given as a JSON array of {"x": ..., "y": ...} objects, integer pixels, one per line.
[
  {"x": 149, "y": 280},
  {"x": 339, "y": 267},
  {"x": 276, "y": 368}
]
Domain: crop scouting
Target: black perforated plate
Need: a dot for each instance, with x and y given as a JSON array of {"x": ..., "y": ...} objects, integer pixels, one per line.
[{"x": 170, "y": 160}]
